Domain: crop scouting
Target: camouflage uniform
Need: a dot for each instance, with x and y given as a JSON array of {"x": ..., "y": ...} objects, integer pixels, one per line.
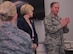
[
  {"x": 13, "y": 40},
  {"x": 54, "y": 35}
]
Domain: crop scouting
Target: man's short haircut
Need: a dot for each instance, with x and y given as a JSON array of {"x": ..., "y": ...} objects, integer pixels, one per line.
[{"x": 51, "y": 5}]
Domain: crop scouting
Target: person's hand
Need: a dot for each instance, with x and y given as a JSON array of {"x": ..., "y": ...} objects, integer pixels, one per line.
[
  {"x": 63, "y": 22},
  {"x": 35, "y": 46},
  {"x": 67, "y": 20}
]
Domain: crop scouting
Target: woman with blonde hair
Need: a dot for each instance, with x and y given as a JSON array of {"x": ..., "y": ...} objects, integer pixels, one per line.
[
  {"x": 24, "y": 23},
  {"x": 12, "y": 39}
]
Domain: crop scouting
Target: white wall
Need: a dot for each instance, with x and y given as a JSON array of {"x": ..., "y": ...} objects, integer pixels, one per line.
[
  {"x": 40, "y": 30},
  {"x": 41, "y": 36},
  {"x": 66, "y": 10}
]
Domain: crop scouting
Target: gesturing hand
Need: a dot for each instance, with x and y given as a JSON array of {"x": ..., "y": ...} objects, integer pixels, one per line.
[{"x": 65, "y": 21}]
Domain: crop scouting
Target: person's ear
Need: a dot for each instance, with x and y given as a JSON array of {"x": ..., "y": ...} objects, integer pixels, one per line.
[{"x": 15, "y": 17}]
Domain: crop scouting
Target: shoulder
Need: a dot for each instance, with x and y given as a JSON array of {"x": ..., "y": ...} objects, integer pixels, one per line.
[
  {"x": 24, "y": 34},
  {"x": 47, "y": 17},
  {"x": 21, "y": 21}
]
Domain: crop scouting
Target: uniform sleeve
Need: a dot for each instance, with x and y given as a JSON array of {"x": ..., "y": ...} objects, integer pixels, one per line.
[
  {"x": 50, "y": 26},
  {"x": 27, "y": 43}
]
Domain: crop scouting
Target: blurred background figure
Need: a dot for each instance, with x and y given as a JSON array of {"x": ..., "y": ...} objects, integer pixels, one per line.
[
  {"x": 12, "y": 39},
  {"x": 1, "y": 1}
]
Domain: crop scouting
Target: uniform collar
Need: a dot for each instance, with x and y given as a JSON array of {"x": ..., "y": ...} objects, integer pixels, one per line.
[{"x": 52, "y": 15}]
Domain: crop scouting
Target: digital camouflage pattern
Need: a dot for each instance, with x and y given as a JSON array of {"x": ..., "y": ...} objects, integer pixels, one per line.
[
  {"x": 13, "y": 40},
  {"x": 54, "y": 35}
]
